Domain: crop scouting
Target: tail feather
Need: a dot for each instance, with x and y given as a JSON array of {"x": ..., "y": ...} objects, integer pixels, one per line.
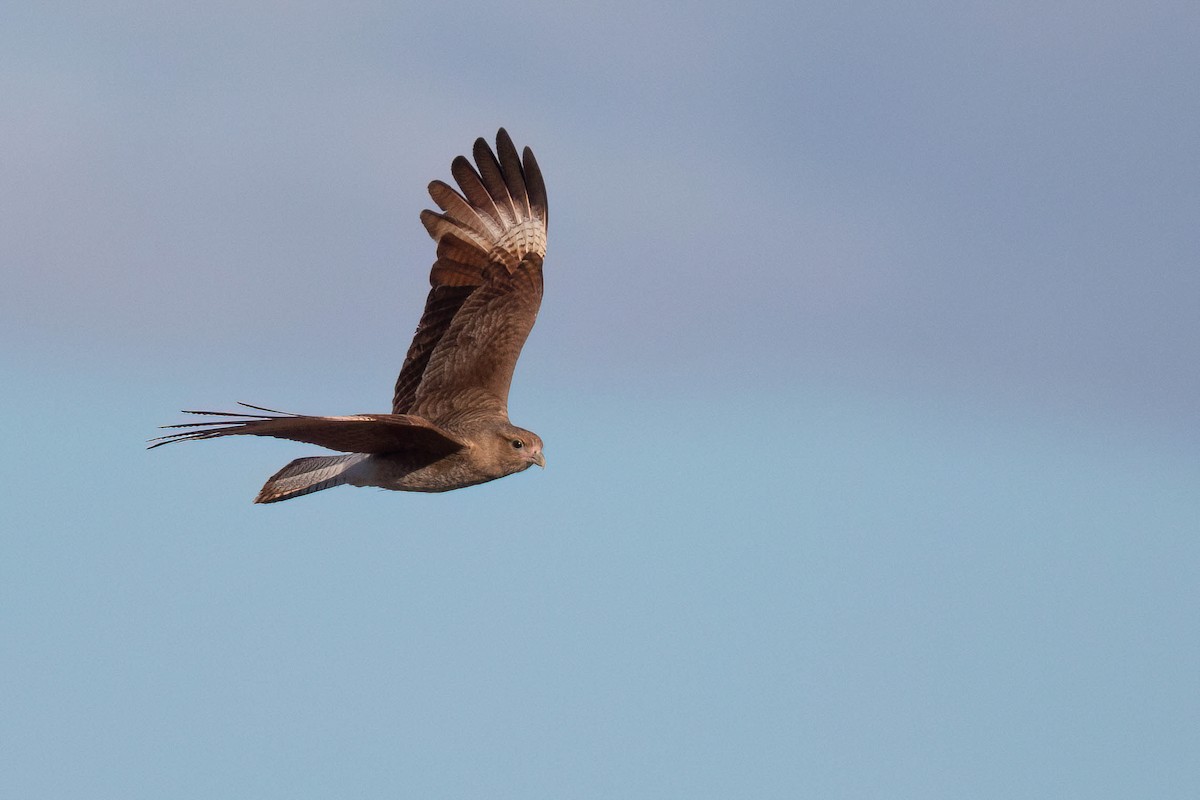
[{"x": 306, "y": 475}]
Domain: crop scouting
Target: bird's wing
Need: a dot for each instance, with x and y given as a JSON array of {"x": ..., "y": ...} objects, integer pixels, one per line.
[
  {"x": 361, "y": 433},
  {"x": 472, "y": 366},
  {"x": 485, "y": 233}
]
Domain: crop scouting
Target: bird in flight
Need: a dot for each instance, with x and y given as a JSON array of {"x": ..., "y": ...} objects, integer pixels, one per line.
[{"x": 449, "y": 423}]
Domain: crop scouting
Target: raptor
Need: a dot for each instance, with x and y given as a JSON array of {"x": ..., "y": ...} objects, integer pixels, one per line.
[{"x": 448, "y": 427}]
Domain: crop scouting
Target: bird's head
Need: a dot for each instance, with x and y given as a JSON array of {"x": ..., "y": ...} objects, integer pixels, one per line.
[{"x": 519, "y": 449}]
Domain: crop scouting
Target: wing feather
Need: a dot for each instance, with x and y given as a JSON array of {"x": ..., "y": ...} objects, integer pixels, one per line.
[
  {"x": 536, "y": 186},
  {"x": 474, "y": 189},
  {"x": 442, "y": 227},
  {"x": 361, "y": 433},
  {"x": 497, "y": 220},
  {"x": 471, "y": 368},
  {"x": 457, "y": 208},
  {"x": 493, "y": 180},
  {"x": 514, "y": 176},
  {"x": 440, "y": 307}
]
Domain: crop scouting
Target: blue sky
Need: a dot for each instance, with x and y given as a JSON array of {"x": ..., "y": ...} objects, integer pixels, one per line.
[{"x": 866, "y": 371}]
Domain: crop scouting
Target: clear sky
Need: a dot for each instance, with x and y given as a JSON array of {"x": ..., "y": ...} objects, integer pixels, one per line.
[{"x": 867, "y": 372}]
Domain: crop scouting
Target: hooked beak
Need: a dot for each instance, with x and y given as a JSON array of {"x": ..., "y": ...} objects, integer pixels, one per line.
[{"x": 539, "y": 459}]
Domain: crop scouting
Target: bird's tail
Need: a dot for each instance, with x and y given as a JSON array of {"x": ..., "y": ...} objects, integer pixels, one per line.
[
  {"x": 307, "y": 475},
  {"x": 500, "y": 216}
]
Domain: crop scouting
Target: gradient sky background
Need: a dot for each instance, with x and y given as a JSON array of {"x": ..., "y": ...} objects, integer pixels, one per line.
[{"x": 867, "y": 372}]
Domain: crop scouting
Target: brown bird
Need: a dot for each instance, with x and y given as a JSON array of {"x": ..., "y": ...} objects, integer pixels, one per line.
[{"x": 449, "y": 424}]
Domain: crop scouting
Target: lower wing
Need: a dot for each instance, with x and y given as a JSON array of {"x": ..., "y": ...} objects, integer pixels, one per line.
[{"x": 360, "y": 433}]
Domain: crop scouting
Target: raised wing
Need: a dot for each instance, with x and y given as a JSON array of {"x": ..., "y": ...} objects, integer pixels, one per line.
[
  {"x": 361, "y": 433},
  {"x": 486, "y": 236},
  {"x": 472, "y": 366}
]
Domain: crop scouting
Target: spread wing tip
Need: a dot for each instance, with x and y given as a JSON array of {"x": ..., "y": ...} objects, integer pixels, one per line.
[
  {"x": 232, "y": 422},
  {"x": 499, "y": 212}
]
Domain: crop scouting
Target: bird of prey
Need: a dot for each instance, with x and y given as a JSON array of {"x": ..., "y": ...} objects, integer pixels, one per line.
[{"x": 449, "y": 423}]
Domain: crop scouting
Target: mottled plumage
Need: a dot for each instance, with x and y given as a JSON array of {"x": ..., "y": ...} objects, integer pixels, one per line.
[{"x": 449, "y": 424}]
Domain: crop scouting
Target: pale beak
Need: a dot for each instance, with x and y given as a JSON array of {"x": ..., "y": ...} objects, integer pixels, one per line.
[{"x": 539, "y": 459}]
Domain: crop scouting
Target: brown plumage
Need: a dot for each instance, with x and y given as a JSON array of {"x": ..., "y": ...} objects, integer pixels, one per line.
[{"x": 449, "y": 424}]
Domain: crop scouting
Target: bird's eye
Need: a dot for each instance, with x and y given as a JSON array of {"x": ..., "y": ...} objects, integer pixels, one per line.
[{"x": 517, "y": 444}]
